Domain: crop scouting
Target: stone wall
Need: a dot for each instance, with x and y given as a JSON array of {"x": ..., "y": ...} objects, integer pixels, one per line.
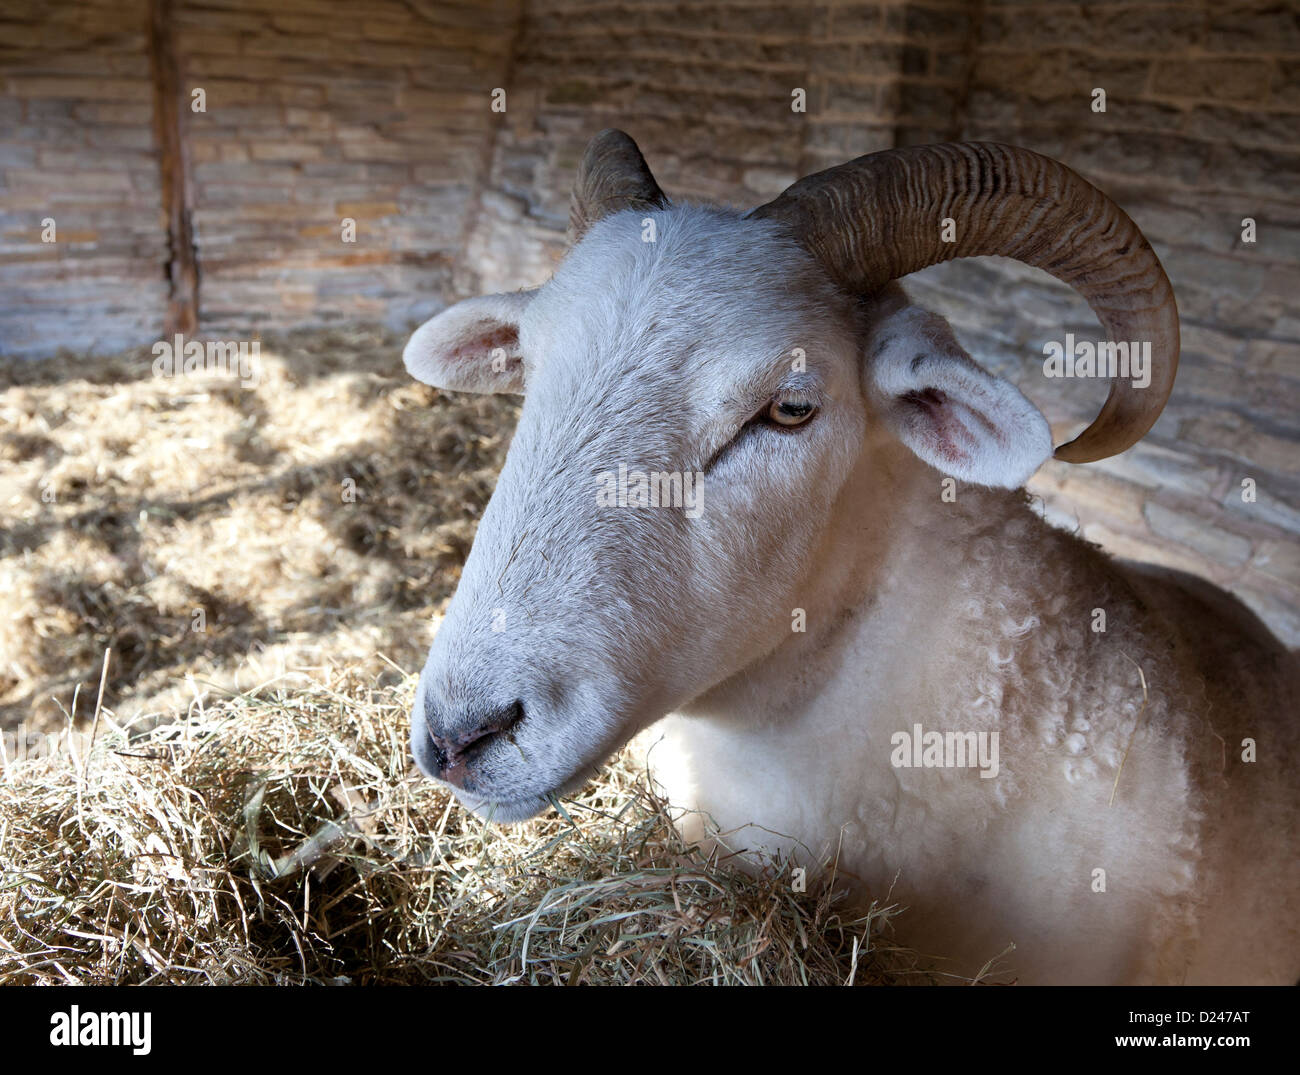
[
  {"x": 77, "y": 148},
  {"x": 321, "y": 112},
  {"x": 318, "y": 111},
  {"x": 1201, "y": 131},
  {"x": 312, "y": 113}
]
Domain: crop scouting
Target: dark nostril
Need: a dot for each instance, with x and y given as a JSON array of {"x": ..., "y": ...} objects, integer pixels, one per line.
[
  {"x": 440, "y": 758},
  {"x": 449, "y": 748}
]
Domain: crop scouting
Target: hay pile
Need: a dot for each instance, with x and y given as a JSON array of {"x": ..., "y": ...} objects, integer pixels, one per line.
[
  {"x": 199, "y": 527},
  {"x": 278, "y": 836}
]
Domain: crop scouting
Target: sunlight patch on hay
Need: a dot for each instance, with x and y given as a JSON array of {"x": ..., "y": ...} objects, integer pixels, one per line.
[{"x": 324, "y": 513}]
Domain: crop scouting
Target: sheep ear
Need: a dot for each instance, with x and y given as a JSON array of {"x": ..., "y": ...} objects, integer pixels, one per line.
[
  {"x": 472, "y": 346},
  {"x": 948, "y": 409}
]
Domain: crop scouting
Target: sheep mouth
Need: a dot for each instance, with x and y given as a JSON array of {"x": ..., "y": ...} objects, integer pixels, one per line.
[
  {"x": 523, "y": 807},
  {"x": 504, "y": 811}
]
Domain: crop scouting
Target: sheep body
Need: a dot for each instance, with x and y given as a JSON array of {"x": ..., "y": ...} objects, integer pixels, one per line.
[{"x": 981, "y": 619}]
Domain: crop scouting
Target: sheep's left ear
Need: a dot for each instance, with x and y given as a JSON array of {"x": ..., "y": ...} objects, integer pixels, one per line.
[
  {"x": 947, "y": 408},
  {"x": 472, "y": 346}
]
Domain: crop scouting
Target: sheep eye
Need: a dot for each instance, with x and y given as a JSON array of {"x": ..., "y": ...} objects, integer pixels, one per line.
[{"x": 789, "y": 412}]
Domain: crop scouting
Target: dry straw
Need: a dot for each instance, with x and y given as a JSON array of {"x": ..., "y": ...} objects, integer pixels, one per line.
[
  {"x": 280, "y": 836},
  {"x": 198, "y": 527}
]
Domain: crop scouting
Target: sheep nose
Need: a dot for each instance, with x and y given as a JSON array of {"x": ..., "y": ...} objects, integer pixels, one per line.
[{"x": 448, "y": 755}]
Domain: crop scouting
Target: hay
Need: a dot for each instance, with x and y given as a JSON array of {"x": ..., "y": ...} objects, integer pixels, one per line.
[
  {"x": 322, "y": 515},
  {"x": 279, "y": 836}
]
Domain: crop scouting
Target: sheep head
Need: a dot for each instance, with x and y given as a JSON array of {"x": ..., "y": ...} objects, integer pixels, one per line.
[{"x": 703, "y": 391}]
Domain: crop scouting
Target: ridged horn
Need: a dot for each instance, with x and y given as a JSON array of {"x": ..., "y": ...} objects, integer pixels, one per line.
[
  {"x": 612, "y": 176},
  {"x": 879, "y": 217}
]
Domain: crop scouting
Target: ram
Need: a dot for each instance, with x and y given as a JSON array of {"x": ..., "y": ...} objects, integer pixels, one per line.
[{"x": 864, "y": 573}]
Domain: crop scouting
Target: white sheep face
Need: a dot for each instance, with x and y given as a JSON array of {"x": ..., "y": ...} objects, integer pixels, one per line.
[{"x": 694, "y": 348}]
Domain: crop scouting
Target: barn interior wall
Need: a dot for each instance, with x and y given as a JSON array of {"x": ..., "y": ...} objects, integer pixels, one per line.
[
  {"x": 77, "y": 155},
  {"x": 312, "y": 113},
  {"x": 317, "y": 112}
]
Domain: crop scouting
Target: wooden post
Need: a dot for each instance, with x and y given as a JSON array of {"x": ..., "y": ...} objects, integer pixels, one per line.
[{"x": 182, "y": 262}]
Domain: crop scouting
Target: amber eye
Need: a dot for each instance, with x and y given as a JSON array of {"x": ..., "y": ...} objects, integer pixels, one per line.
[{"x": 789, "y": 412}]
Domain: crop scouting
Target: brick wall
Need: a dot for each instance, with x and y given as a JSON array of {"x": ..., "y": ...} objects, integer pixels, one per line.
[
  {"x": 1201, "y": 130},
  {"x": 314, "y": 112},
  {"x": 319, "y": 110},
  {"x": 706, "y": 89},
  {"x": 76, "y": 147}
]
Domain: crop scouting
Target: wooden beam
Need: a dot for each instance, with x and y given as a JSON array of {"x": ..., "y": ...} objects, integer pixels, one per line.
[{"x": 182, "y": 261}]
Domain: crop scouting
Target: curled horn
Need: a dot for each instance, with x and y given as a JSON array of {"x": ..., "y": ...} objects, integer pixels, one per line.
[
  {"x": 878, "y": 218},
  {"x": 612, "y": 176}
]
